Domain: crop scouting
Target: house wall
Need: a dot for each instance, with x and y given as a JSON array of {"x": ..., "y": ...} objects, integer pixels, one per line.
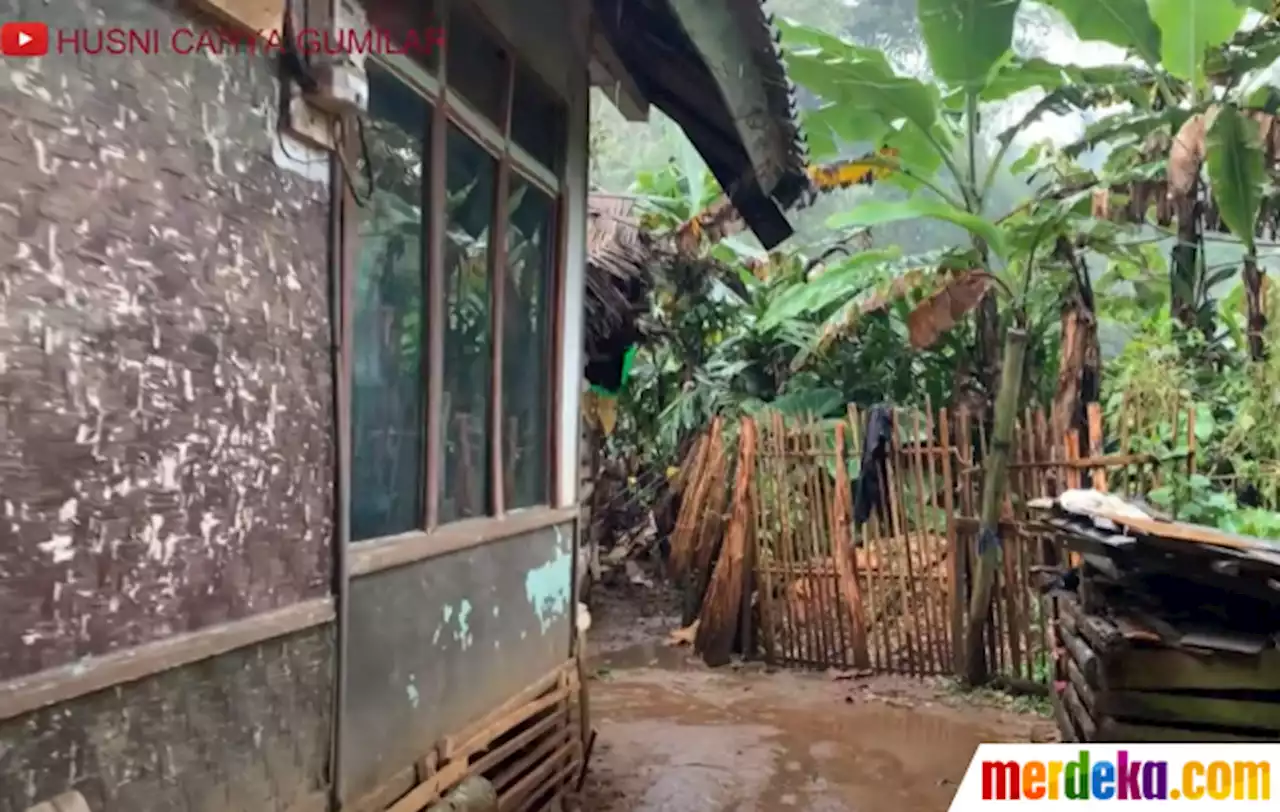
[
  {"x": 435, "y": 644},
  {"x": 165, "y": 421}
]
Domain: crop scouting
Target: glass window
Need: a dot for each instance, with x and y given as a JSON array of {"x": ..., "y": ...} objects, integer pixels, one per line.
[
  {"x": 538, "y": 120},
  {"x": 388, "y": 385},
  {"x": 412, "y": 26},
  {"x": 471, "y": 175},
  {"x": 527, "y": 344},
  {"x": 478, "y": 67}
]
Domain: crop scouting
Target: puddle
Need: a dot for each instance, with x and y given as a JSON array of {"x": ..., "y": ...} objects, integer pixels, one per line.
[
  {"x": 649, "y": 654},
  {"x": 702, "y": 742}
]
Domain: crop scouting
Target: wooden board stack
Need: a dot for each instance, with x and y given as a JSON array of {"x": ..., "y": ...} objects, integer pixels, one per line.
[{"x": 1167, "y": 632}]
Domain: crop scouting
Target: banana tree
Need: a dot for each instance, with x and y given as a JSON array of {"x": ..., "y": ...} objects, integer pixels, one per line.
[
  {"x": 934, "y": 130},
  {"x": 1216, "y": 93}
]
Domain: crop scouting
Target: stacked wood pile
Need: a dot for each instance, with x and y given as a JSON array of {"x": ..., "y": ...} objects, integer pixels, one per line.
[
  {"x": 526, "y": 754},
  {"x": 1166, "y": 632}
]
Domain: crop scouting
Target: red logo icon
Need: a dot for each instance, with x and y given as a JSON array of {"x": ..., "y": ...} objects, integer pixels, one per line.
[{"x": 24, "y": 39}]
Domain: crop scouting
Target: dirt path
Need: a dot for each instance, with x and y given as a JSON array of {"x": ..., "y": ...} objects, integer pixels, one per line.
[{"x": 675, "y": 736}]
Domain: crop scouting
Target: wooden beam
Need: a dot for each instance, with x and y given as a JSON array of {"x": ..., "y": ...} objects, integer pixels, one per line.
[
  {"x": 258, "y": 16},
  {"x": 92, "y": 674},
  {"x": 610, "y": 75},
  {"x": 1110, "y": 730},
  {"x": 1187, "y": 709},
  {"x": 1180, "y": 670},
  {"x": 414, "y": 546}
]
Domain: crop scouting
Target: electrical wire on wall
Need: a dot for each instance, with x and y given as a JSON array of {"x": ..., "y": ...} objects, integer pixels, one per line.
[{"x": 294, "y": 69}]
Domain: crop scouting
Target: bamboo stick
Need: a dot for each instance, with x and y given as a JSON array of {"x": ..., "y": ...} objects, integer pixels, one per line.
[{"x": 993, "y": 492}]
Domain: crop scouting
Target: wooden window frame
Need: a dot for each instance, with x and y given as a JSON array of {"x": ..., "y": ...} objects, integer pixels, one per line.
[{"x": 449, "y": 108}]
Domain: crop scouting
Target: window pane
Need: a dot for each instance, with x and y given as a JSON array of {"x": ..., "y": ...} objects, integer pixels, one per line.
[
  {"x": 538, "y": 120},
  {"x": 478, "y": 68},
  {"x": 413, "y": 27},
  {"x": 387, "y": 399},
  {"x": 526, "y": 344},
  {"x": 471, "y": 176}
]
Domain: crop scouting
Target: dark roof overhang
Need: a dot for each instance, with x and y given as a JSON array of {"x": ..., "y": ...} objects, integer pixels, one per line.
[{"x": 714, "y": 67}]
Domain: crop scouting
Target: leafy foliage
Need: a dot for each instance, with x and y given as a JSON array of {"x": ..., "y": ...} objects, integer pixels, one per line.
[{"x": 828, "y": 320}]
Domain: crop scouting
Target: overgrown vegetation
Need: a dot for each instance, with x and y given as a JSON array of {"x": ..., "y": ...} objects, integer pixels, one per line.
[{"x": 1122, "y": 272}]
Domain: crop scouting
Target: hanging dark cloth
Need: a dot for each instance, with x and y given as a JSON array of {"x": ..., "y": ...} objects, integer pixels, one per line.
[{"x": 873, "y": 476}]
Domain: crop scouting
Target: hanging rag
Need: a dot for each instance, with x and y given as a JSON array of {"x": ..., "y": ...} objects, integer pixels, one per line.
[{"x": 873, "y": 476}]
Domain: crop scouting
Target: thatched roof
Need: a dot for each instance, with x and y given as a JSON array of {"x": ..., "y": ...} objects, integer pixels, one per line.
[{"x": 620, "y": 260}]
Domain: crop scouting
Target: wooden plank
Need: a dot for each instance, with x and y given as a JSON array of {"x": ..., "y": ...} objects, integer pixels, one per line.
[
  {"x": 1191, "y": 709},
  {"x": 1170, "y": 669},
  {"x": 1193, "y": 533},
  {"x": 721, "y": 609},
  {"x": 56, "y": 685},
  {"x": 1094, "y": 411},
  {"x": 262, "y": 17},
  {"x": 414, "y": 546},
  {"x": 1110, "y": 730}
]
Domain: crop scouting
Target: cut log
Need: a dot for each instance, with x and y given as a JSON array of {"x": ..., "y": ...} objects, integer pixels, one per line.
[
  {"x": 718, "y": 622},
  {"x": 1079, "y": 651},
  {"x": 1079, "y": 714}
]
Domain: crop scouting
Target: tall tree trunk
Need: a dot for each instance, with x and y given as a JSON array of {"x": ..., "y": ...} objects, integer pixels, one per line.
[{"x": 1080, "y": 370}]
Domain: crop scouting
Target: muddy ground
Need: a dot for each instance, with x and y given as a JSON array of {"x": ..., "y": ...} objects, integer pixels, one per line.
[{"x": 679, "y": 737}]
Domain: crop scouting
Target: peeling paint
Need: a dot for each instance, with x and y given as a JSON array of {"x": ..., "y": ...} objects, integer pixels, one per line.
[
  {"x": 411, "y": 690},
  {"x": 547, "y": 588}
]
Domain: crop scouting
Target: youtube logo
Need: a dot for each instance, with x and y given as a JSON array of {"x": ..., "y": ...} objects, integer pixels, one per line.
[{"x": 24, "y": 39}]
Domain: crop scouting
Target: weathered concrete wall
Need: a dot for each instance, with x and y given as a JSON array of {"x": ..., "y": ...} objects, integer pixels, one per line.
[
  {"x": 439, "y": 643},
  {"x": 244, "y": 732},
  {"x": 165, "y": 392}
]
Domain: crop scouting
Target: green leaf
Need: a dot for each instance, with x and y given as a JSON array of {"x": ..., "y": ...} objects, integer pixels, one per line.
[
  {"x": 836, "y": 284},
  {"x": 876, "y": 213},
  {"x": 855, "y": 79},
  {"x": 1188, "y": 28},
  {"x": 1126, "y": 23},
  {"x": 1237, "y": 170},
  {"x": 1205, "y": 423},
  {"x": 966, "y": 38},
  {"x": 850, "y": 126},
  {"x": 808, "y": 402}
]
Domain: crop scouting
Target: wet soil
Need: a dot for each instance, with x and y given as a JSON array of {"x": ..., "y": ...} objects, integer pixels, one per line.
[{"x": 676, "y": 736}]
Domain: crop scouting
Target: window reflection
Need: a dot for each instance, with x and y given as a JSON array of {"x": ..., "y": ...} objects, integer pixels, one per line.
[
  {"x": 526, "y": 344},
  {"x": 387, "y": 399},
  {"x": 465, "y": 482}
]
